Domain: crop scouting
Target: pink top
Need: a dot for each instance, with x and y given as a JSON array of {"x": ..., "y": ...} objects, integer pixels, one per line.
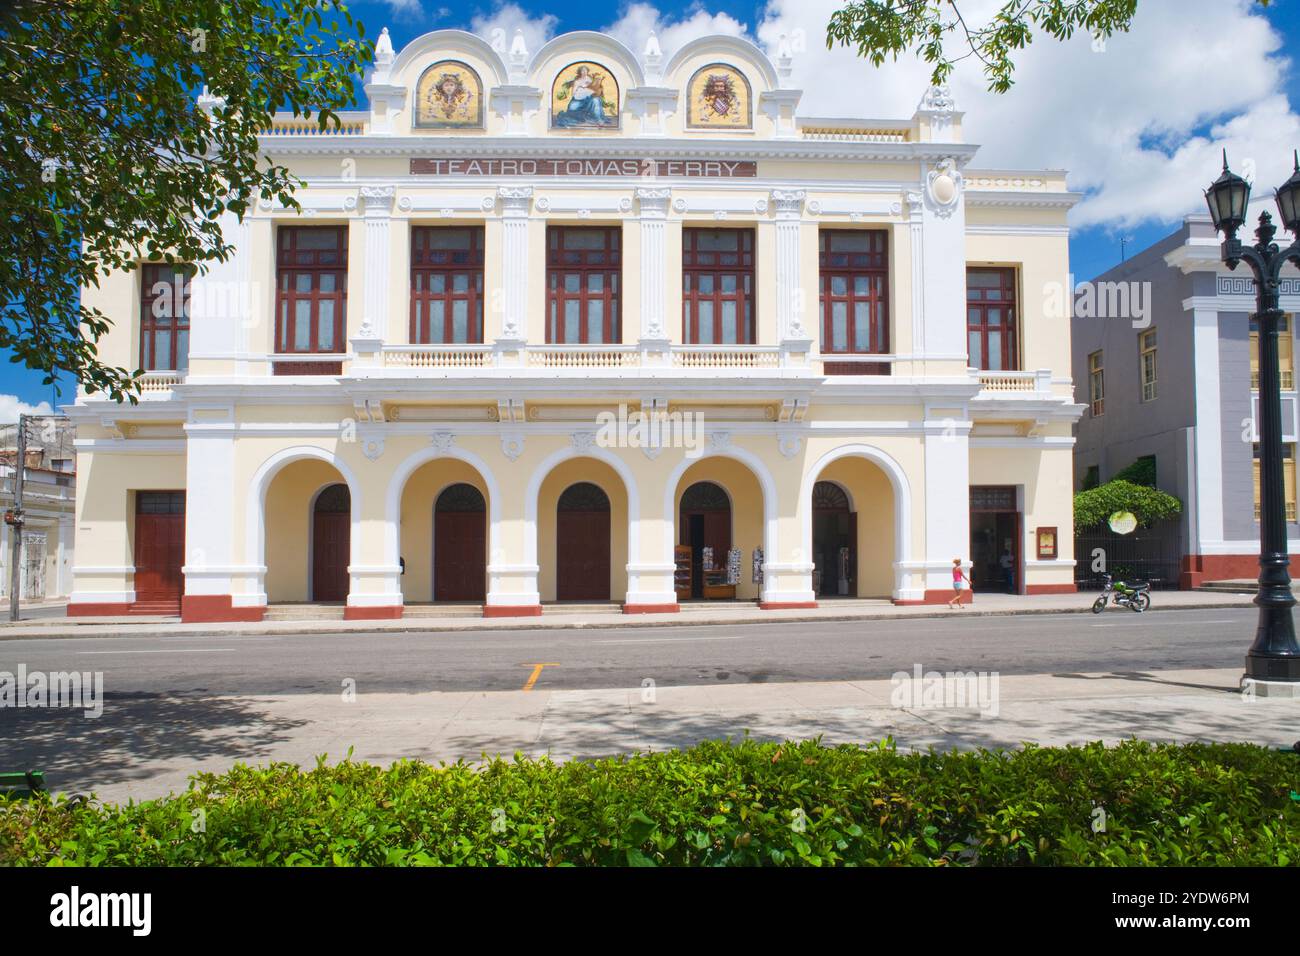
[{"x": 956, "y": 574}]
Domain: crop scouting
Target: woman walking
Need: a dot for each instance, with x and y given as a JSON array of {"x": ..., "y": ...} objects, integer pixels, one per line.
[{"x": 959, "y": 582}]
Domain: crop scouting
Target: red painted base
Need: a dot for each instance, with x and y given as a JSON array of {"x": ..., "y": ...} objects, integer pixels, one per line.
[
  {"x": 786, "y": 605},
  {"x": 213, "y": 608},
  {"x": 941, "y": 596},
  {"x": 1199, "y": 568},
  {"x": 504, "y": 610},
  {"x": 391, "y": 613},
  {"x": 1051, "y": 588},
  {"x": 99, "y": 610},
  {"x": 651, "y": 608}
]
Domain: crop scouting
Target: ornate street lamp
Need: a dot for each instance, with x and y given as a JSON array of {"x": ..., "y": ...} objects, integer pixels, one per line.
[{"x": 1273, "y": 661}]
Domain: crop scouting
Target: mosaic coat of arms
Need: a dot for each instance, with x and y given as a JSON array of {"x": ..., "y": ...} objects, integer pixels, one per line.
[
  {"x": 718, "y": 97},
  {"x": 449, "y": 95},
  {"x": 584, "y": 96}
]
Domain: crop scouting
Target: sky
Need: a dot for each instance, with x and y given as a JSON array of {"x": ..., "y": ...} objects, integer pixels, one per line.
[{"x": 1137, "y": 121}]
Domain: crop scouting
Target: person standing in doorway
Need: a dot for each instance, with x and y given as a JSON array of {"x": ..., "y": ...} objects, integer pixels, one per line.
[
  {"x": 959, "y": 582},
  {"x": 1008, "y": 565}
]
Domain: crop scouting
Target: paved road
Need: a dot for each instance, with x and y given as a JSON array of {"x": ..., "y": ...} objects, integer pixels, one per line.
[{"x": 590, "y": 658}]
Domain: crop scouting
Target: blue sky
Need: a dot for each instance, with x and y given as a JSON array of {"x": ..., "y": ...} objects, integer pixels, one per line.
[{"x": 1161, "y": 131}]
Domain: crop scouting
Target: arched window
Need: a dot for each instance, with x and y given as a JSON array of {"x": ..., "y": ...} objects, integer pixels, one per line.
[
  {"x": 584, "y": 496},
  {"x": 334, "y": 500},
  {"x": 705, "y": 496},
  {"x": 461, "y": 499},
  {"x": 828, "y": 496}
]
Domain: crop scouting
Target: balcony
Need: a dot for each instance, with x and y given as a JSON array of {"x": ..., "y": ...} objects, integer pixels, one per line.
[
  {"x": 1037, "y": 384},
  {"x": 373, "y": 359},
  {"x": 158, "y": 385}
]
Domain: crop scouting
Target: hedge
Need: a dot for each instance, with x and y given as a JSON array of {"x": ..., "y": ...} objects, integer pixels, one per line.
[
  {"x": 719, "y": 803},
  {"x": 1095, "y": 506}
]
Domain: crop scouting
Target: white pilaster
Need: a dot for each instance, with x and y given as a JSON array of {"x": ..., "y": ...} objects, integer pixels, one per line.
[
  {"x": 1208, "y": 514},
  {"x": 947, "y": 493},
  {"x": 653, "y": 202},
  {"x": 63, "y": 568},
  {"x": 516, "y": 202},
  {"x": 916, "y": 233},
  {"x": 378, "y": 202},
  {"x": 221, "y": 298},
  {"x": 209, "y": 498},
  {"x": 943, "y": 250},
  {"x": 790, "y": 307}
]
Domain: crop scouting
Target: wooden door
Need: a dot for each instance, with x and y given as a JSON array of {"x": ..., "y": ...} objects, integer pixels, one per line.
[
  {"x": 331, "y": 544},
  {"x": 582, "y": 544},
  {"x": 159, "y": 547},
  {"x": 460, "y": 545}
]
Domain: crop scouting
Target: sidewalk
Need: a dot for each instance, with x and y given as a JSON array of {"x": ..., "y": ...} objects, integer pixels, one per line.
[
  {"x": 985, "y": 605},
  {"x": 144, "y": 746}
]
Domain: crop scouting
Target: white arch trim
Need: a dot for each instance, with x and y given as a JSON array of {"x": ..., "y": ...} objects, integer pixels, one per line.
[
  {"x": 447, "y": 44},
  {"x": 766, "y": 484},
  {"x": 739, "y": 51},
  {"x": 586, "y": 44},
  {"x": 902, "y": 502},
  {"x": 397, "y": 484},
  {"x": 255, "y": 521},
  {"x": 554, "y": 460}
]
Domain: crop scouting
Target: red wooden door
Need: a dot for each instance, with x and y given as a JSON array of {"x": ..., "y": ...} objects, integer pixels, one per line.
[
  {"x": 582, "y": 544},
  {"x": 159, "y": 547},
  {"x": 460, "y": 556},
  {"x": 331, "y": 544}
]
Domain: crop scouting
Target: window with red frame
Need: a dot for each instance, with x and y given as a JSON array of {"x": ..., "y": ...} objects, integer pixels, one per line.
[
  {"x": 854, "y": 276},
  {"x": 582, "y": 285},
  {"x": 311, "y": 295},
  {"x": 446, "y": 285},
  {"x": 991, "y": 319},
  {"x": 717, "y": 286},
  {"x": 165, "y": 317}
]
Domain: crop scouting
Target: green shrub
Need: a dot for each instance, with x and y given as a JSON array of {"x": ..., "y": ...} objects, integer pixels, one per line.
[
  {"x": 1095, "y": 506},
  {"x": 1141, "y": 472},
  {"x": 719, "y": 803}
]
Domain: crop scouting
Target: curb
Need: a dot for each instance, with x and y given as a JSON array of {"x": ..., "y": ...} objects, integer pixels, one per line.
[{"x": 428, "y": 625}]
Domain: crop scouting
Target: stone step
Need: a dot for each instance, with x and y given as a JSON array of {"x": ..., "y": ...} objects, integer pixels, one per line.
[
  {"x": 304, "y": 612},
  {"x": 1239, "y": 586}
]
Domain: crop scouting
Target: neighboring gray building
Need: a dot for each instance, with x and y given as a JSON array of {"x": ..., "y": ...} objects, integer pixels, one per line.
[{"x": 1166, "y": 339}]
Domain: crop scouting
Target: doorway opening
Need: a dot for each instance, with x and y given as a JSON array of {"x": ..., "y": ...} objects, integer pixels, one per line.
[
  {"x": 835, "y": 542},
  {"x": 995, "y": 540},
  {"x": 582, "y": 544},
  {"x": 705, "y": 528}
]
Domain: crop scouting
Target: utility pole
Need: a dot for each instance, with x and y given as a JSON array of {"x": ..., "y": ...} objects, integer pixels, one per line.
[{"x": 15, "y": 520}]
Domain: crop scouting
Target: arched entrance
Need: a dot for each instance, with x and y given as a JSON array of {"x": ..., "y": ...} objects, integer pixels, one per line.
[
  {"x": 331, "y": 543},
  {"x": 460, "y": 544},
  {"x": 835, "y": 542},
  {"x": 582, "y": 544},
  {"x": 705, "y": 523}
]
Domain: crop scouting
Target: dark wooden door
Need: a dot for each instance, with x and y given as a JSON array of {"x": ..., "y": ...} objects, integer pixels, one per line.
[
  {"x": 460, "y": 556},
  {"x": 159, "y": 547},
  {"x": 582, "y": 544},
  {"x": 331, "y": 544}
]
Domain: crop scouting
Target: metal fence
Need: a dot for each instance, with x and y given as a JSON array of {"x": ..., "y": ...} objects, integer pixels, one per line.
[{"x": 1151, "y": 554}]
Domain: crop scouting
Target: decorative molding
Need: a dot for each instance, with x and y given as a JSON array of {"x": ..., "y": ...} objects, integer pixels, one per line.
[
  {"x": 788, "y": 203},
  {"x": 943, "y": 187},
  {"x": 446, "y": 203},
  {"x": 721, "y": 206},
  {"x": 378, "y": 198},
  {"x": 512, "y": 446},
  {"x": 720, "y": 441},
  {"x": 855, "y": 209},
  {"x": 789, "y": 445},
  {"x": 372, "y": 447},
  {"x": 584, "y": 205},
  {"x": 1245, "y": 285},
  {"x": 652, "y": 201},
  {"x": 443, "y": 441},
  {"x": 583, "y": 441}
]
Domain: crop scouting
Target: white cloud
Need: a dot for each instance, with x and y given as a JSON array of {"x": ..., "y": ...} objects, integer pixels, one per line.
[
  {"x": 11, "y": 408},
  {"x": 404, "y": 8},
  {"x": 639, "y": 19},
  {"x": 499, "y": 26}
]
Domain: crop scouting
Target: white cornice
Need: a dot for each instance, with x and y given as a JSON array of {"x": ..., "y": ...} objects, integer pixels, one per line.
[
  {"x": 638, "y": 147},
  {"x": 1027, "y": 200}
]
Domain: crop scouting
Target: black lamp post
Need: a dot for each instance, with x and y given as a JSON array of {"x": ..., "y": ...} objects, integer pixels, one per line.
[{"x": 1275, "y": 656}]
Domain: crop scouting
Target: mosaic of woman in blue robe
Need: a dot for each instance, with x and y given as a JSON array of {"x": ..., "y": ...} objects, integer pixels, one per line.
[{"x": 586, "y": 105}]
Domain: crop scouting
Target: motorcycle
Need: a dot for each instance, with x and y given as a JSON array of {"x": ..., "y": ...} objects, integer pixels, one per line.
[{"x": 1136, "y": 597}]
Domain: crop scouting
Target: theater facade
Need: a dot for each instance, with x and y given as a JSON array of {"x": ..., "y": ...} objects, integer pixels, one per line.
[{"x": 584, "y": 324}]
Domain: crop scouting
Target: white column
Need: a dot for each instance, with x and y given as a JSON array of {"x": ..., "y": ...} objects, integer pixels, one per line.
[
  {"x": 209, "y": 502},
  {"x": 790, "y": 307},
  {"x": 221, "y": 299},
  {"x": 378, "y": 202},
  {"x": 516, "y": 202},
  {"x": 653, "y": 203},
  {"x": 1208, "y": 514},
  {"x": 947, "y": 494},
  {"x": 943, "y": 250},
  {"x": 916, "y": 233}
]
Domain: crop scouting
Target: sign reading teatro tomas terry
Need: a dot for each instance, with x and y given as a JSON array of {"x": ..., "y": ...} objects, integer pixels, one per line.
[{"x": 587, "y": 168}]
